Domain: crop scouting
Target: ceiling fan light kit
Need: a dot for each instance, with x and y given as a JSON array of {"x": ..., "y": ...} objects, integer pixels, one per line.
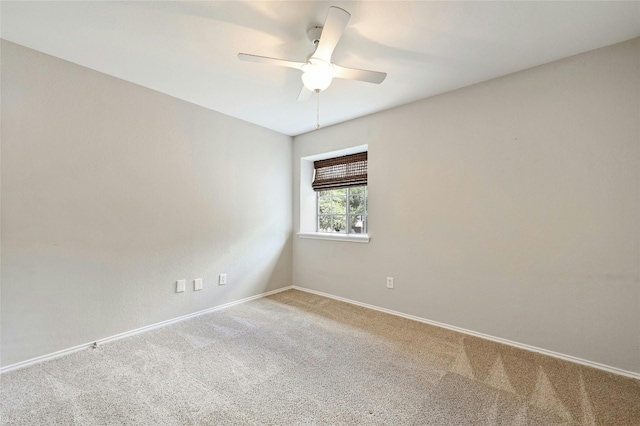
[{"x": 317, "y": 74}]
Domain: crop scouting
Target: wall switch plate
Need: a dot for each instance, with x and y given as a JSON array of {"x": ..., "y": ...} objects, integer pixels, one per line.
[
  {"x": 222, "y": 279},
  {"x": 389, "y": 282},
  {"x": 197, "y": 284},
  {"x": 180, "y": 286}
]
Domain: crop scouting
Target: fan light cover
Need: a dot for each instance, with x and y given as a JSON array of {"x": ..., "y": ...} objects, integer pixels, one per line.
[{"x": 317, "y": 75}]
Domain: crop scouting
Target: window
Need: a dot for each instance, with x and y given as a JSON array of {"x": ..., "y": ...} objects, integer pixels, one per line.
[
  {"x": 343, "y": 210},
  {"x": 320, "y": 187},
  {"x": 341, "y": 187}
]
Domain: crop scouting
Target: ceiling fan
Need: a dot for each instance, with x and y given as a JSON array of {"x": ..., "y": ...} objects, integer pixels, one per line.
[{"x": 318, "y": 71}]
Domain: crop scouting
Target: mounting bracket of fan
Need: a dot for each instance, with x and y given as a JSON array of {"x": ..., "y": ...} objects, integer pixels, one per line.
[{"x": 313, "y": 34}]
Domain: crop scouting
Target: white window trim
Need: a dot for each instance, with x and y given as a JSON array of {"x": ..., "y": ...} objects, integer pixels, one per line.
[{"x": 349, "y": 238}]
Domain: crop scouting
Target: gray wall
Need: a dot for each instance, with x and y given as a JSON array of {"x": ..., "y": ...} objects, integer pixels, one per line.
[
  {"x": 509, "y": 208},
  {"x": 111, "y": 192}
]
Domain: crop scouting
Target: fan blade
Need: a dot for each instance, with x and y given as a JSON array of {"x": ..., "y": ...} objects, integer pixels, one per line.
[
  {"x": 356, "y": 74},
  {"x": 331, "y": 32},
  {"x": 270, "y": 61},
  {"x": 304, "y": 95}
]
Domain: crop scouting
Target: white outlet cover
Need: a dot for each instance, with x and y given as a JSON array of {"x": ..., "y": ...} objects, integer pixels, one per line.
[
  {"x": 222, "y": 279},
  {"x": 180, "y": 286},
  {"x": 389, "y": 282},
  {"x": 197, "y": 284}
]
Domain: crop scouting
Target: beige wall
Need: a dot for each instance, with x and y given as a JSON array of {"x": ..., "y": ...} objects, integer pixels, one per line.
[
  {"x": 509, "y": 208},
  {"x": 111, "y": 192}
]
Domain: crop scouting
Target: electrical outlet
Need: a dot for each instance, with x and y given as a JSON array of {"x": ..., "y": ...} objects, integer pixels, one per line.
[
  {"x": 389, "y": 282},
  {"x": 197, "y": 284},
  {"x": 222, "y": 279},
  {"x": 180, "y": 286}
]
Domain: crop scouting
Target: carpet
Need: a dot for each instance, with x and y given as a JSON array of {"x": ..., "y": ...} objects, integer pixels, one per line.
[{"x": 295, "y": 358}]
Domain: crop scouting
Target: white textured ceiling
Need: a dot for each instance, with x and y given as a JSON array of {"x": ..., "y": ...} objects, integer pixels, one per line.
[{"x": 188, "y": 49}]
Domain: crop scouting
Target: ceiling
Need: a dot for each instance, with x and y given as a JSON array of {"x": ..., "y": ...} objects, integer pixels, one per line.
[{"x": 188, "y": 49}]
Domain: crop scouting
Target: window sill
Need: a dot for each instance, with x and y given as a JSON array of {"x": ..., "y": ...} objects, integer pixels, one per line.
[{"x": 350, "y": 238}]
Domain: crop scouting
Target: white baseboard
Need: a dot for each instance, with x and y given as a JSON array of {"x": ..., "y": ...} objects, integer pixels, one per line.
[
  {"x": 569, "y": 358},
  {"x": 99, "y": 342}
]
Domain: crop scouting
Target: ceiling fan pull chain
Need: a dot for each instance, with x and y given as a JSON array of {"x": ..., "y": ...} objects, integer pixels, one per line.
[{"x": 318, "y": 110}]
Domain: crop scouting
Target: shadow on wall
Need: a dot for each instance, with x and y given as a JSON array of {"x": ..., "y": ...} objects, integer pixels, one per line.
[{"x": 259, "y": 263}]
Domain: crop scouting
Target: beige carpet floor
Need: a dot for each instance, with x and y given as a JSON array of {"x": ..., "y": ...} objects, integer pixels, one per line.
[{"x": 299, "y": 359}]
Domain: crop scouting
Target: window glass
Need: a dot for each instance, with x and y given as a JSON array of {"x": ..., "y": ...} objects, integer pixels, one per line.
[{"x": 343, "y": 210}]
